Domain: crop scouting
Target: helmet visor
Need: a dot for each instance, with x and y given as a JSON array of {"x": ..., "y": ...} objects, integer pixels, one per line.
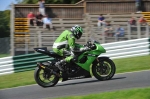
[{"x": 79, "y": 35}]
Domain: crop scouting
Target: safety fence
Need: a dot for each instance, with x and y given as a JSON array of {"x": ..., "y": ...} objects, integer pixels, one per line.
[
  {"x": 122, "y": 49},
  {"x": 130, "y": 48},
  {"x": 21, "y": 62},
  {"x": 5, "y": 46}
]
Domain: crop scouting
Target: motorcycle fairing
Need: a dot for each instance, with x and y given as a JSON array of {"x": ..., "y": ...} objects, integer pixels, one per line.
[
  {"x": 91, "y": 56},
  {"x": 78, "y": 74}
]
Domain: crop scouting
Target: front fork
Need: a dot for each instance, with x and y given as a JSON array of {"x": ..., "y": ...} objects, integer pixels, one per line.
[{"x": 102, "y": 68}]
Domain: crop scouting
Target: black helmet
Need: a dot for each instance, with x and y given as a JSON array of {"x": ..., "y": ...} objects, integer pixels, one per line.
[{"x": 77, "y": 31}]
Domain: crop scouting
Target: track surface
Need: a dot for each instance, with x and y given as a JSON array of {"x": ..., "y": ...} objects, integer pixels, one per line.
[{"x": 79, "y": 87}]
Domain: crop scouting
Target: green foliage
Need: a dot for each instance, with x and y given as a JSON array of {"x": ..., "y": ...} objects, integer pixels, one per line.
[
  {"x": 29, "y": 1},
  {"x": 4, "y": 23},
  {"x": 49, "y": 1}
]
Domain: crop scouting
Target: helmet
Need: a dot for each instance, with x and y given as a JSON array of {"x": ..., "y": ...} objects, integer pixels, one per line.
[{"x": 77, "y": 31}]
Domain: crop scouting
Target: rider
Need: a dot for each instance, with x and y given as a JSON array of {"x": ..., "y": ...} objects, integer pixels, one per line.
[{"x": 67, "y": 37}]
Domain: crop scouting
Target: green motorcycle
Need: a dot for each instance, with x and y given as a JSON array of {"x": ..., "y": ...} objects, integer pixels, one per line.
[{"x": 85, "y": 65}]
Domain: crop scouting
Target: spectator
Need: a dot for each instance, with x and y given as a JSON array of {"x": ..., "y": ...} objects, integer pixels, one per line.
[
  {"x": 142, "y": 21},
  {"x": 108, "y": 29},
  {"x": 47, "y": 23},
  {"x": 138, "y": 5},
  {"x": 31, "y": 19},
  {"x": 42, "y": 7},
  {"x": 39, "y": 17},
  {"x": 119, "y": 32},
  {"x": 101, "y": 20},
  {"x": 132, "y": 21}
]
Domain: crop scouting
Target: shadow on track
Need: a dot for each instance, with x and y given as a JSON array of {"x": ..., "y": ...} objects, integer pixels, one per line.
[
  {"x": 118, "y": 78},
  {"x": 91, "y": 81}
]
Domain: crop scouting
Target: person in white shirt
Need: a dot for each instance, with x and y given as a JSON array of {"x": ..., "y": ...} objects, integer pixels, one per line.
[{"x": 47, "y": 22}]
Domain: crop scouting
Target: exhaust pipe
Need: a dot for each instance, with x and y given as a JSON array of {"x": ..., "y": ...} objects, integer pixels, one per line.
[{"x": 40, "y": 65}]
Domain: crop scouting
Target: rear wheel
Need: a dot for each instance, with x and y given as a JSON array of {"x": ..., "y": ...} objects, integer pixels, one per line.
[
  {"x": 104, "y": 70},
  {"x": 45, "y": 78}
]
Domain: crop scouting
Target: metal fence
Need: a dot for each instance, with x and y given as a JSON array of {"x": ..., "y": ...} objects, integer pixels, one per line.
[
  {"x": 41, "y": 39},
  {"x": 130, "y": 32},
  {"x": 5, "y": 45}
]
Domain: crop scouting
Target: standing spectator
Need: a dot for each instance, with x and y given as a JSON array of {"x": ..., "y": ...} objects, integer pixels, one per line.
[
  {"x": 142, "y": 21},
  {"x": 42, "y": 7},
  {"x": 39, "y": 17},
  {"x": 101, "y": 20},
  {"x": 119, "y": 32},
  {"x": 132, "y": 21},
  {"x": 47, "y": 23},
  {"x": 138, "y": 5},
  {"x": 108, "y": 29},
  {"x": 31, "y": 19}
]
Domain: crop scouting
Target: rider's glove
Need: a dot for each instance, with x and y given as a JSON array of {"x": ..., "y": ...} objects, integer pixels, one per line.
[
  {"x": 72, "y": 54},
  {"x": 84, "y": 49},
  {"x": 65, "y": 52}
]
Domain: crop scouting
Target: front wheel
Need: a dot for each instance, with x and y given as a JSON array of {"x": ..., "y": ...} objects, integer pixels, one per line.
[
  {"x": 45, "y": 78},
  {"x": 104, "y": 69}
]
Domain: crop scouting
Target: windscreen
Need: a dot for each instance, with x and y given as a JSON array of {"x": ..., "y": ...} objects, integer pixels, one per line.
[{"x": 94, "y": 39}]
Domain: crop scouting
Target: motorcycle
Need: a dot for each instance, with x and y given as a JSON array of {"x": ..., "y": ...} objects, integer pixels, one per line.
[{"x": 86, "y": 64}]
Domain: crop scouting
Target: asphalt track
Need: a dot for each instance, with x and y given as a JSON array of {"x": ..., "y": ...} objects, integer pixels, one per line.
[{"x": 79, "y": 87}]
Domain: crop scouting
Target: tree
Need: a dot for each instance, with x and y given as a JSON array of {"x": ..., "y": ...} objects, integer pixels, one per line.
[
  {"x": 4, "y": 23},
  {"x": 48, "y": 1}
]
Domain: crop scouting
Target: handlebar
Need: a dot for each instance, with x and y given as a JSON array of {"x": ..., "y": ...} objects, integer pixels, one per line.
[{"x": 90, "y": 45}]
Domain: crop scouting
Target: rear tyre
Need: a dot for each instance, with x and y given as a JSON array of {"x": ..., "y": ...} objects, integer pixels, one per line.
[
  {"x": 104, "y": 70},
  {"x": 45, "y": 78}
]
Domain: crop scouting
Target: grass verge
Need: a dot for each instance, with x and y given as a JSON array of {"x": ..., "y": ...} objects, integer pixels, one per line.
[
  {"x": 132, "y": 64},
  {"x": 122, "y": 65},
  {"x": 4, "y": 55},
  {"x": 137, "y": 93},
  {"x": 17, "y": 79}
]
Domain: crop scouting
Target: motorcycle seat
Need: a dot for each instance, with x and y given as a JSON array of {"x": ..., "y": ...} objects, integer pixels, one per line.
[{"x": 46, "y": 52}]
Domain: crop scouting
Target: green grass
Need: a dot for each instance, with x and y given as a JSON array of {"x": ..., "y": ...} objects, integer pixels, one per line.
[
  {"x": 138, "y": 93},
  {"x": 132, "y": 64},
  {"x": 17, "y": 79},
  {"x": 4, "y": 55},
  {"x": 122, "y": 65}
]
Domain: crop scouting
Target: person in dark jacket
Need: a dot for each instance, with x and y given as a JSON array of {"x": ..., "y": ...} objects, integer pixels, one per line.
[
  {"x": 138, "y": 5},
  {"x": 101, "y": 21}
]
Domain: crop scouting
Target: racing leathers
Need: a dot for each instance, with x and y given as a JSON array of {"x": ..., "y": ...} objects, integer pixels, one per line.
[{"x": 65, "y": 38}]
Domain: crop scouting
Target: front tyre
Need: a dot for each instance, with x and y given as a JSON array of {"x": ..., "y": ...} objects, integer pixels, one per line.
[
  {"x": 104, "y": 69},
  {"x": 45, "y": 78}
]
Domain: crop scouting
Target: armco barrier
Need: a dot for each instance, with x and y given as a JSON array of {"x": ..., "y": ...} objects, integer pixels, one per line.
[
  {"x": 130, "y": 48},
  {"x": 21, "y": 63}
]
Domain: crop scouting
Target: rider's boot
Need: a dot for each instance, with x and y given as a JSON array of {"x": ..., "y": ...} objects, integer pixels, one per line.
[{"x": 58, "y": 64}]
